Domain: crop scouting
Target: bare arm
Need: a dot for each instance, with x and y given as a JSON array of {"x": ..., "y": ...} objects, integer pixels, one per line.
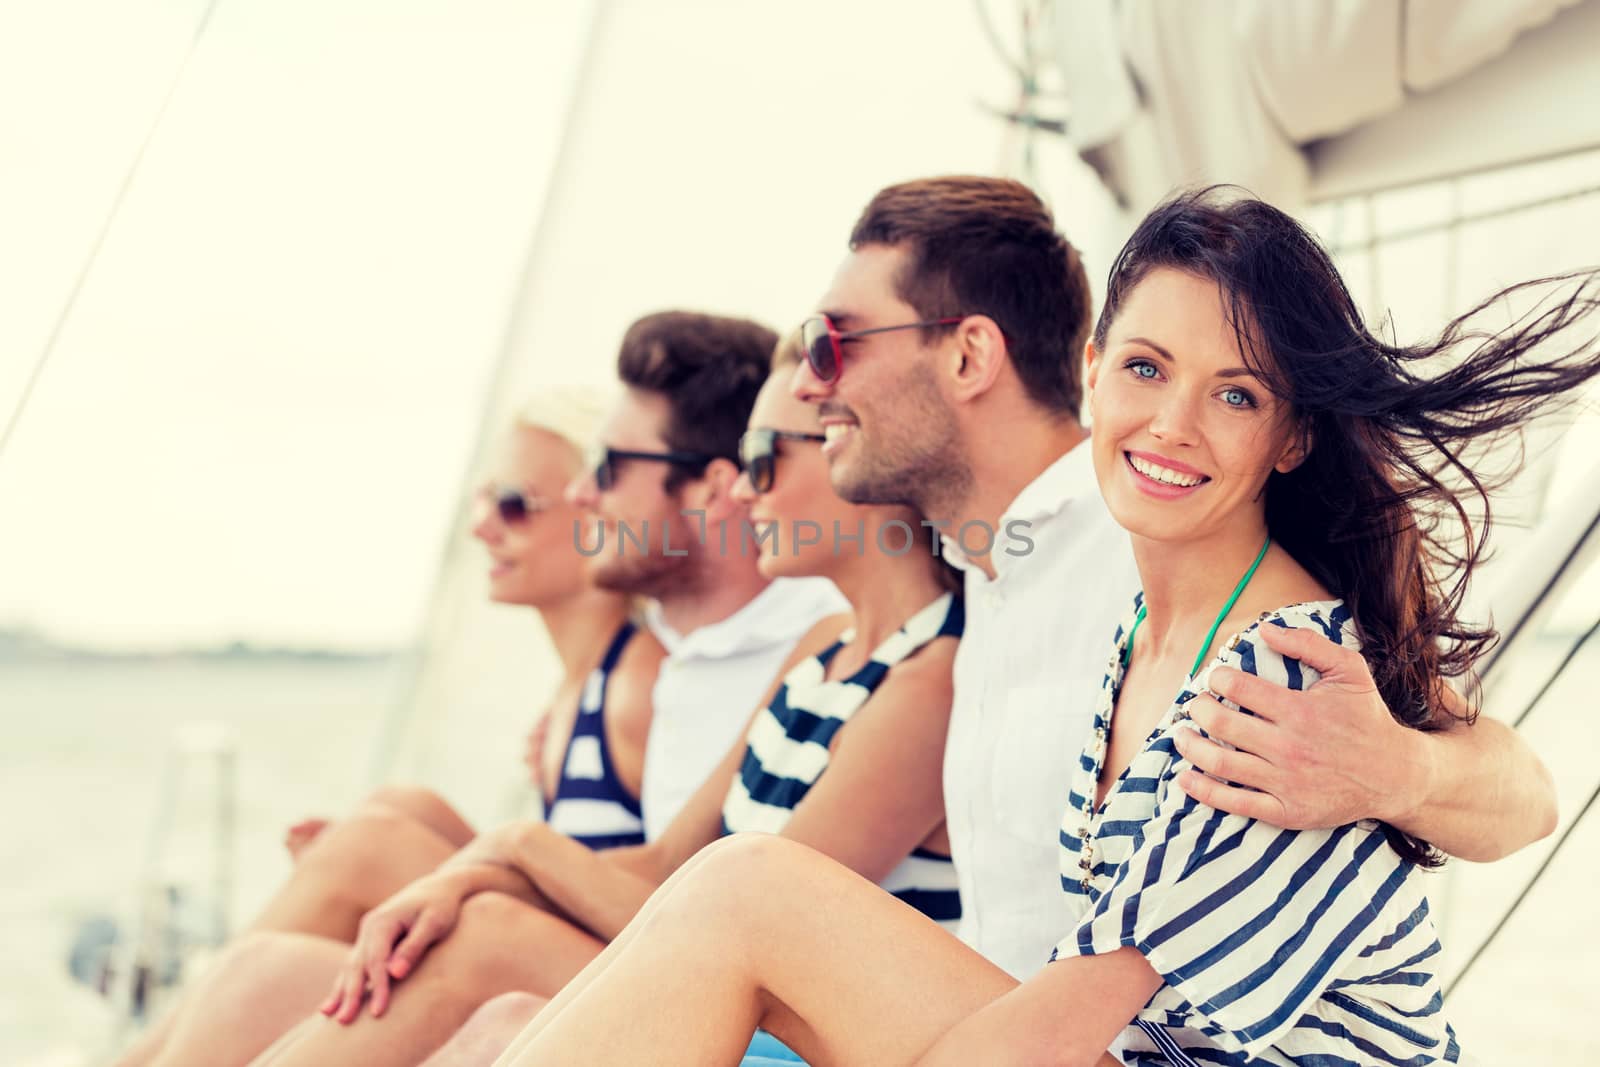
[
  {"x": 602, "y": 891},
  {"x": 883, "y": 793},
  {"x": 1333, "y": 755},
  {"x": 1030, "y": 1026},
  {"x": 630, "y": 703}
]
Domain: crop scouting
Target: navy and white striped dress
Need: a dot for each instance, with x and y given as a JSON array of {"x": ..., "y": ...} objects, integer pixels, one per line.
[
  {"x": 1276, "y": 946},
  {"x": 788, "y": 749},
  {"x": 591, "y": 804}
]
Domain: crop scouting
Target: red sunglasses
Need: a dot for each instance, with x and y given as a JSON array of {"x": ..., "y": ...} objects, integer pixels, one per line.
[{"x": 823, "y": 341}]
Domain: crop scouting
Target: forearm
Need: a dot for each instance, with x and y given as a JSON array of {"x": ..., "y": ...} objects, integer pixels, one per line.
[
  {"x": 482, "y": 876},
  {"x": 493, "y": 862},
  {"x": 598, "y": 893},
  {"x": 956, "y": 1053},
  {"x": 1033, "y": 1024},
  {"x": 1481, "y": 792}
]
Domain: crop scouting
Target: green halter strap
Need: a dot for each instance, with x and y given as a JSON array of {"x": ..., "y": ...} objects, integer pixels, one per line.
[{"x": 1238, "y": 590}]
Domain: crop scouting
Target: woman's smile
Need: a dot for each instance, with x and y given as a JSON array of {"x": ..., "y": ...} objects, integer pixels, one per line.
[{"x": 1161, "y": 477}]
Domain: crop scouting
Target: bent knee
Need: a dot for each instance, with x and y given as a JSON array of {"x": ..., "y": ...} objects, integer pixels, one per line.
[
  {"x": 372, "y": 833},
  {"x": 748, "y": 858},
  {"x": 420, "y": 803},
  {"x": 741, "y": 875},
  {"x": 363, "y": 859}
]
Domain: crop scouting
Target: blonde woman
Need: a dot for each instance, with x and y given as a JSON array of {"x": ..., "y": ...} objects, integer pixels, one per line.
[{"x": 597, "y": 719}]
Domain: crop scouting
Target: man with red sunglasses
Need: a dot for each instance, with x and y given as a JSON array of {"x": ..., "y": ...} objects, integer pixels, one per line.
[{"x": 945, "y": 361}]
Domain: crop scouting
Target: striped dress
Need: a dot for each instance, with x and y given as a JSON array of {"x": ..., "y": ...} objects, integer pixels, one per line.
[
  {"x": 591, "y": 805},
  {"x": 788, "y": 749},
  {"x": 1276, "y": 946}
]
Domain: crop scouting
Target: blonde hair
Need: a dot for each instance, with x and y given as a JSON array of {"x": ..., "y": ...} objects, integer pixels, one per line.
[{"x": 571, "y": 412}]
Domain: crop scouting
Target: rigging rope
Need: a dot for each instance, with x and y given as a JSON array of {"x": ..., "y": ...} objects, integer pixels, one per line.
[
  {"x": 1522, "y": 896},
  {"x": 67, "y": 306},
  {"x": 1555, "y": 850},
  {"x": 1572, "y": 654}
]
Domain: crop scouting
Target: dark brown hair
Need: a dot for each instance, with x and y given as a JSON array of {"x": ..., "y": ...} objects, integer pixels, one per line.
[
  {"x": 989, "y": 246},
  {"x": 708, "y": 367},
  {"x": 1374, "y": 512}
]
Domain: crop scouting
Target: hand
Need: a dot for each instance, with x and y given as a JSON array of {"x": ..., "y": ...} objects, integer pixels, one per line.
[
  {"x": 1316, "y": 759},
  {"x": 424, "y": 912}
]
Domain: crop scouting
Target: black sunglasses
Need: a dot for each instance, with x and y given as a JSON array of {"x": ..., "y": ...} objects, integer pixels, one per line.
[
  {"x": 758, "y": 452},
  {"x": 512, "y": 504},
  {"x": 603, "y": 461},
  {"x": 823, "y": 342}
]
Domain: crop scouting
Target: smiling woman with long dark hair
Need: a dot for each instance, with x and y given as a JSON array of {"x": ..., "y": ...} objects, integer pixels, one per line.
[{"x": 1279, "y": 470}]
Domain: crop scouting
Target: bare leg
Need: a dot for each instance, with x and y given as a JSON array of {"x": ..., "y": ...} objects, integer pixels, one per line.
[
  {"x": 350, "y": 868},
  {"x": 397, "y": 835},
  {"x": 423, "y": 805},
  {"x": 499, "y": 945},
  {"x": 427, "y": 808},
  {"x": 260, "y": 986},
  {"x": 760, "y": 931},
  {"x": 486, "y": 1035}
]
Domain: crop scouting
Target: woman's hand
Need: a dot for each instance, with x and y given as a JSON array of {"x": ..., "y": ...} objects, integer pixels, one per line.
[{"x": 392, "y": 940}]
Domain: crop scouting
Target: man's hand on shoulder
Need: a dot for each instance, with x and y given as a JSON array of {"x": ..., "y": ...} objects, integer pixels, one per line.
[{"x": 1313, "y": 759}]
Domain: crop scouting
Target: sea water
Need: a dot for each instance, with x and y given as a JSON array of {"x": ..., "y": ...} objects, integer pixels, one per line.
[{"x": 90, "y": 748}]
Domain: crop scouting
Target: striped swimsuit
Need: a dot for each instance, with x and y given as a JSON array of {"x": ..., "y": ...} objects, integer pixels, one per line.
[
  {"x": 788, "y": 750},
  {"x": 591, "y": 804},
  {"x": 1275, "y": 946}
]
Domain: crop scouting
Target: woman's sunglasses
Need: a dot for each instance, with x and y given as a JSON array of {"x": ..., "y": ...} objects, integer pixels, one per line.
[
  {"x": 823, "y": 342},
  {"x": 758, "y": 454},
  {"x": 512, "y": 504}
]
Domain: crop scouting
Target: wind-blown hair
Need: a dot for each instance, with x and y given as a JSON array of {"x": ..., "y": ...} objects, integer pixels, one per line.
[{"x": 1371, "y": 512}]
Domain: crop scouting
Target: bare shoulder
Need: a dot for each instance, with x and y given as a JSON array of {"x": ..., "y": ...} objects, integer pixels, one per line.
[
  {"x": 820, "y": 636},
  {"x": 630, "y": 703},
  {"x": 631, "y": 688},
  {"x": 921, "y": 682}
]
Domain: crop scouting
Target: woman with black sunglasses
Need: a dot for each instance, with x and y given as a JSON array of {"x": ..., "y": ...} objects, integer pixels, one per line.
[{"x": 1282, "y": 473}]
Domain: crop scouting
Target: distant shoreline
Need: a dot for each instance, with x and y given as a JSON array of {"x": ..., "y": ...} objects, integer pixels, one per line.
[{"x": 27, "y": 646}]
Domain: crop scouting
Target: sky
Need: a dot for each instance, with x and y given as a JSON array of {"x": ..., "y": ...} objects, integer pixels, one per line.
[
  {"x": 258, "y": 421},
  {"x": 259, "y": 412}
]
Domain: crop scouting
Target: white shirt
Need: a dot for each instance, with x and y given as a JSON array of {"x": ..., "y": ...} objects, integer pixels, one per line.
[
  {"x": 712, "y": 680},
  {"x": 1027, "y": 674}
]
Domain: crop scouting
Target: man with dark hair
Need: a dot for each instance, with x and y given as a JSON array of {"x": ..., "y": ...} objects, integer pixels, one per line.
[
  {"x": 709, "y": 369},
  {"x": 666, "y": 527},
  {"x": 991, "y": 245},
  {"x": 689, "y": 381},
  {"x": 946, "y": 365}
]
